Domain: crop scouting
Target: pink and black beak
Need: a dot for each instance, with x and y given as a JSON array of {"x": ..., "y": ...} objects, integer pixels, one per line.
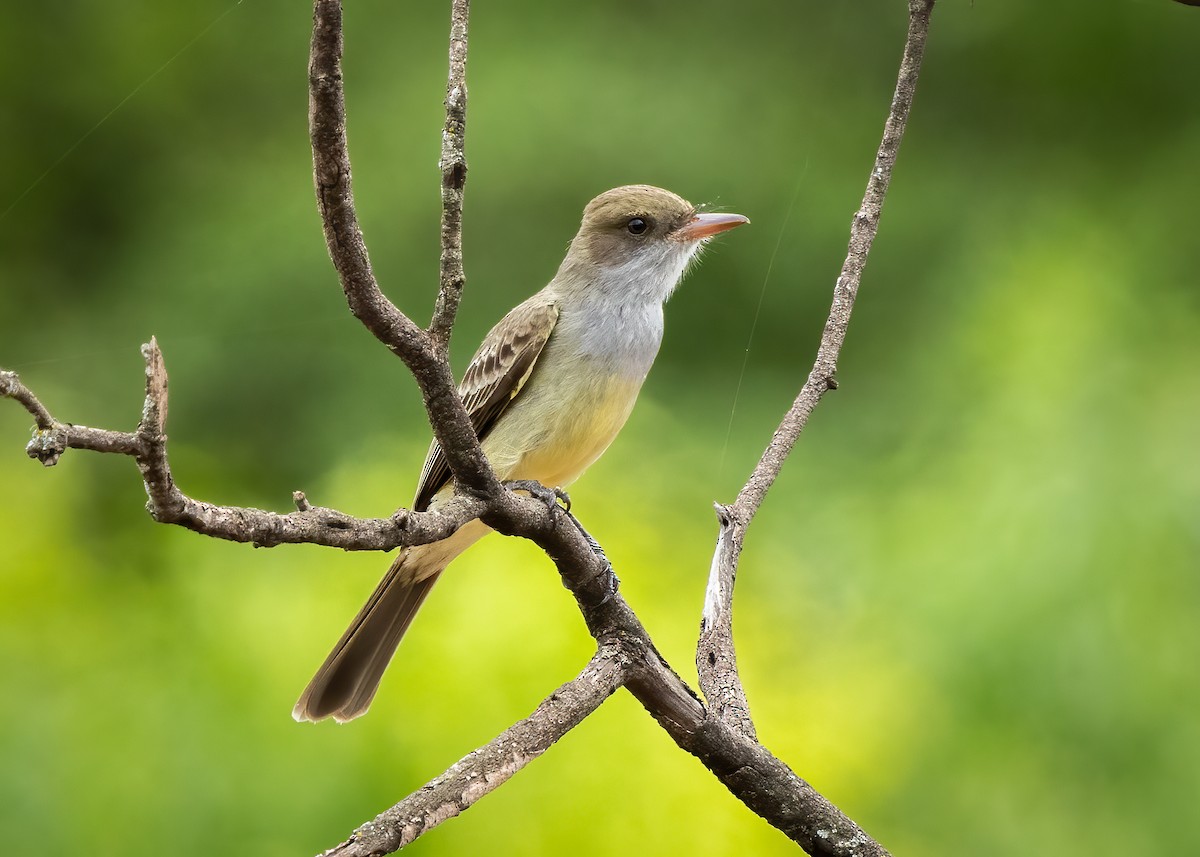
[{"x": 706, "y": 225}]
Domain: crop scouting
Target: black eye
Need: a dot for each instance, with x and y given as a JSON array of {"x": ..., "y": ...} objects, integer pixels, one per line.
[{"x": 636, "y": 226}]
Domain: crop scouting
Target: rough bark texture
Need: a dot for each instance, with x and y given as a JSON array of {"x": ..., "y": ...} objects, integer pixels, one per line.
[
  {"x": 715, "y": 658},
  {"x": 335, "y": 199},
  {"x": 720, "y": 734},
  {"x": 486, "y": 769},
  {"x": 453, "y": 165}
]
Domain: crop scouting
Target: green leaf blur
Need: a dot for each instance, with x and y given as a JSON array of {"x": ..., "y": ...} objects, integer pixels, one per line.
[{"x": 967, "y": 612}]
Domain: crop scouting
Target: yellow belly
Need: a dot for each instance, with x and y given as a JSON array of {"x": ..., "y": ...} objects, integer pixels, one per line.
[{"x": 553, "y": 432}]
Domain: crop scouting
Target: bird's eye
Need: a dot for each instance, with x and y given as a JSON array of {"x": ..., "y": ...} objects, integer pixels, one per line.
[{"x": 636, "y": 226}]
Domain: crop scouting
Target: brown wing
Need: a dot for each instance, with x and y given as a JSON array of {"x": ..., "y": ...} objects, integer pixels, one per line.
[{"x": 496, "y": 375}]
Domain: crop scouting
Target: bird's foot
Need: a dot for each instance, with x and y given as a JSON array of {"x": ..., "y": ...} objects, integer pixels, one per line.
[
  {"x": 612, "y": 582},
  {"x": 550, "y": 496}
]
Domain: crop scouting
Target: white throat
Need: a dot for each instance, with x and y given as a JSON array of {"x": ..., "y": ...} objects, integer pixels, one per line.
[
  {"x": 616, "y": 317},
  {"x": 649, "y": 277}
]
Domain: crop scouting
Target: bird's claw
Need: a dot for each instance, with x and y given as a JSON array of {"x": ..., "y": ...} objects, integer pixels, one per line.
[
  {"x": 612, "y": 582},
  {"x": 551, "y": 497},
  {"x": 593, "y": 544}
]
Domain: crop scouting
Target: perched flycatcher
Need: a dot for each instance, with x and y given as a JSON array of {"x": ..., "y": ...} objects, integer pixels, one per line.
[{"x": 548, "y": 390}]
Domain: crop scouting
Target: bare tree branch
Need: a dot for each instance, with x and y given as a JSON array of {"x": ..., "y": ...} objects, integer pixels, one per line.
[
  {"x": 716, "y": 660},
  {"x": 12, "y": 388},
  {"x": 773, "y": 791},
  {"x": 489, "y": 767},
  {"x": 168, "y": 505},
  {"x": 331, "y": 175},
  {"x": 331, "y": 171},
  {"x": 721, "y": 736},
  {"x": 863, "y": 229},
  {"x": 453, "y": 165},
  {"x": 751, "y": 773}
]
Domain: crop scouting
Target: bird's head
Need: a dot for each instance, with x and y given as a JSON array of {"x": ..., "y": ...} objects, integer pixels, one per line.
[{"x": 640, "y": 239}]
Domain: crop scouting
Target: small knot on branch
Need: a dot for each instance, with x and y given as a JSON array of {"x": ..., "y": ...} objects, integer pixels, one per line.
[
  {"x": 301, "y": 501},
  {"x": 724, "y": 514},
  {"x": 9, "y": 384},
  {"x": 47, "y": 445},
  {"x": 454, "y": 175}
]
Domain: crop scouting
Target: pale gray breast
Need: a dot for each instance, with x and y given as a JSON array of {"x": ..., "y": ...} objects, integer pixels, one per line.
[{"x": 623, "y": 338}]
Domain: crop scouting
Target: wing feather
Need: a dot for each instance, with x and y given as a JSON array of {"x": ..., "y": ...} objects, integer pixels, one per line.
[{"x": 494, "y": 378}]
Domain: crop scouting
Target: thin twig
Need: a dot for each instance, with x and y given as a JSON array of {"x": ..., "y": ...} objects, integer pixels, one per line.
[
  {"x": 166, "y": 502},
  {"x": 486, "y": 769},
  {"x": 715, "y": 656},
  {"x": 863, "y": 229},
  {"x": 751, "y": 773},
  {"x": 168, "y": 505},
  {"x": 722, "y": 738},
  {"x": 453, "y": 165},
  {"x": 12, "y": 388},
  {"x": 335, "y": 198}
]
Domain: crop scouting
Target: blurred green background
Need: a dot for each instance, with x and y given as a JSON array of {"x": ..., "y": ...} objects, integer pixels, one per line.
[{"x": 969, "y": 609}]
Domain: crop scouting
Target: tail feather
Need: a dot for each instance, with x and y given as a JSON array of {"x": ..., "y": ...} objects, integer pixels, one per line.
[{"x": 346, "y": 683}]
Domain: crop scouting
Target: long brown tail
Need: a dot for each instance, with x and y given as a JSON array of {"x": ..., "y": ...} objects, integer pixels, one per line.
[{"x": 346, "y": 683}]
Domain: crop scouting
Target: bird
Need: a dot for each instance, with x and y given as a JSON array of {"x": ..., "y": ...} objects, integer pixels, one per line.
[{"x": 547, "y": 392}]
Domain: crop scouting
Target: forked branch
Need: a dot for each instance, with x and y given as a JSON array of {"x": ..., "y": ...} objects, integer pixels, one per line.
[
  {"x": 720, "y": 735},
  {"x": 453, "y": 165},
  {"x": 167, "y": 504},
  {"x": 422, "y": 352}
]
